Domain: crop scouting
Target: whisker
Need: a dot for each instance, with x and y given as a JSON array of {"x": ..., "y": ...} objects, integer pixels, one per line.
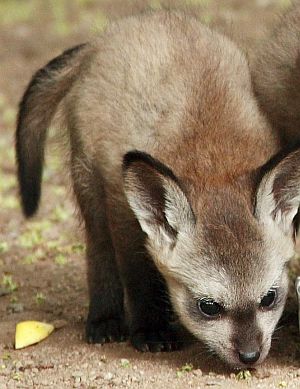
[{"x": 278, "y": 328}]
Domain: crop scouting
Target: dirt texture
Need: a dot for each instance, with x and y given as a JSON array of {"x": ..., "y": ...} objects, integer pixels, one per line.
[{"x": 42, "y": 267}]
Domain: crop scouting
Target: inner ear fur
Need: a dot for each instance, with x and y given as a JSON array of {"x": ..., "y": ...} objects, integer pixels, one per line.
[
  {"x": 154, "y": 192},
  {"x": 278, "y": 194}
]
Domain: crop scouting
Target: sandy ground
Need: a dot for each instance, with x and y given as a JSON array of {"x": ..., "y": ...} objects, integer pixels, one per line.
[{"x": 42, "y": 269}]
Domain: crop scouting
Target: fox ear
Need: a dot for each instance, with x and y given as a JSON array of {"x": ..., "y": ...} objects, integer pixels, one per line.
[
  {"x": 278, "y": 195},
  {"x": 156, "y": 198}
]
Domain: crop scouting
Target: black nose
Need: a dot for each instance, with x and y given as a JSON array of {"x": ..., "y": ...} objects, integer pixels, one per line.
[{"x": 248, "y": 358}]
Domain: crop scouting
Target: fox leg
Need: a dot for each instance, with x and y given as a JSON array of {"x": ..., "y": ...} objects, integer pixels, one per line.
[{"x": 106, "y": 320}]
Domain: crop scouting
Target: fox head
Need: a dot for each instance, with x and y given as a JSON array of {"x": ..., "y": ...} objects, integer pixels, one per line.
[{"x": 223, "y": 257}]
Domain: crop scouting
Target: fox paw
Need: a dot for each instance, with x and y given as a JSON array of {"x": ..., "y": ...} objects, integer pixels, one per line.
[
  {"x": 154, "y": 341},
  {"x": 106, "y": 331}
]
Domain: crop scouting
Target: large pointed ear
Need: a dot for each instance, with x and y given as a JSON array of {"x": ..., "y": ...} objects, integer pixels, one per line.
[
  {"x": 156, "y": 198},
  {"x": 278, "y": 195}
]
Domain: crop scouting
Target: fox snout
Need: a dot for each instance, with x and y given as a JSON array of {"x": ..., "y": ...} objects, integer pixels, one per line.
[
  {"x": 248, "y": 351},
  {"x": 247, "y": 339}
]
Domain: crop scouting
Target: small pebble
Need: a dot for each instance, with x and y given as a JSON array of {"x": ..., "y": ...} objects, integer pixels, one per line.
[
  {"x": 262, "y": 373},
  {"x": 107, "y": 376},
  {"x": 58, "y": 324},
  {"x": 197, "y": 372},
  {"x": 19, "y": 365}
]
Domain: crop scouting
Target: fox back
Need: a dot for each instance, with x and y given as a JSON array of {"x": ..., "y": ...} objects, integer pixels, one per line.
[{"x": 276, "y": 76}]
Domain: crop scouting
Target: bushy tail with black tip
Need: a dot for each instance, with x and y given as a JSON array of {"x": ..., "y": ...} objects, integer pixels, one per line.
[{"x": 46, "y": 89}]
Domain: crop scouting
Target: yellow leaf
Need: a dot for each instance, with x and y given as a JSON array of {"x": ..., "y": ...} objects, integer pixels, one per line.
[{"x": 31, "y": 332}]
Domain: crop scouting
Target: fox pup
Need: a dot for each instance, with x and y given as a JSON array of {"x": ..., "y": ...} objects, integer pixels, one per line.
[
  {"x": 276, "y": 76},
  {"x": 186, "y": 209}
]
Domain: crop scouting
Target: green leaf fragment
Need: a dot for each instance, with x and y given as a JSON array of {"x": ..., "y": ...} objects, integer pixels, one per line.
[
  {"x": 9, "y": 202},
  {"x": 9, "y": 283},
  {"x": 6, "y": 357},
  {"x": 125, "y": 363},
  {"x": 3, "y": 247},
  {"x": 187, "y": 368},
  {"x": 40, "y": 298},
  {"x": 60, "y": 259},
  {"x": 78, "y": 248},
  {"x": 31, "y": 238},
  {"x": 243, "y": 375},
  {"x": 282, "y": 384},
  {"x": 60, "y": 214}
]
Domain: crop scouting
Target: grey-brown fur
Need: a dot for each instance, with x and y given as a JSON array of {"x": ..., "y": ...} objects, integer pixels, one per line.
[
  {"x": 276, "y": 76},
  {"x": 191, "y": 215}
]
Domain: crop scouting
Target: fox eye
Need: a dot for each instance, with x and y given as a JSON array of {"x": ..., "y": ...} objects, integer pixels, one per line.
[
  {"x": 209, "y": 308},
  {"x": 269, "y": 299}
]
